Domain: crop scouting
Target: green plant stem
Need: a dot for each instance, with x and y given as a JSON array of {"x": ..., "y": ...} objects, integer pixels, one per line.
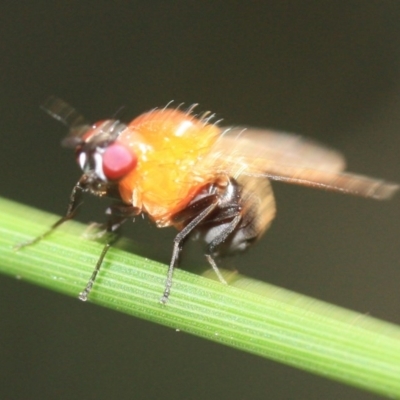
[{"x": 252, "y": 316}]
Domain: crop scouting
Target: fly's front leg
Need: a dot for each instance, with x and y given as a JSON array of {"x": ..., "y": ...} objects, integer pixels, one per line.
[
  {"x": 74, "y": 202},
  {"x": 117, "y": 214}
]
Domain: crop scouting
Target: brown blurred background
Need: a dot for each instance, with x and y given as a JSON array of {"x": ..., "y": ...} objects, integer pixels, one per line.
[{"x": 329, "y": 70}]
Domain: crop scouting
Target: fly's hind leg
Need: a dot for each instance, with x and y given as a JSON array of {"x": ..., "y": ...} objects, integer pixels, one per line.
[
  {"x": 117, "y": 214},
  {"x": 239, "y": 221},
  {"x": 217, "y": 240}
]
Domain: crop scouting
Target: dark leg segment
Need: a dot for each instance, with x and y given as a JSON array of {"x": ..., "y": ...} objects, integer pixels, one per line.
[
  {"x": 117, "y": 215},
  {"x": 178, "y": 242},
  {"x": 74, "y": 202},
  {"x": 217, "y": 241},
  {"x": 85, "y": 293},
  {"x": 216, "y": 213}
]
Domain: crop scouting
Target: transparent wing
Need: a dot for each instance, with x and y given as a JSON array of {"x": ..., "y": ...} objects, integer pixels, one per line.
[
  {"x": 292, "y": 159},
  {"x": 349, "y": 183},
  {"x": 65, "y": 113},
  {"x": 284, "y": 148}
]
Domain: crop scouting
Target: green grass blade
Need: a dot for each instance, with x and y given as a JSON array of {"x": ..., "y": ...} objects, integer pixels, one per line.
[{"x": 252, "y": 316}]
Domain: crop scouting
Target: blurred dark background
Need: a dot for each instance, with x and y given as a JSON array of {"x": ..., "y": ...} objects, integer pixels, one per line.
[{"x": 329, "y": 70}]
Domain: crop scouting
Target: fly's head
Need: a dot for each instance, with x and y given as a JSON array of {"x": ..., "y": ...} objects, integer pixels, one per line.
[{"x": 103, "y": 158}]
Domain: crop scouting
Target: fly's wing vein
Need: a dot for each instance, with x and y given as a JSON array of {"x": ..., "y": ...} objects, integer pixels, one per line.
[
  {"x": 291, "y": 159},
  {"x": 279, "y": 147}
]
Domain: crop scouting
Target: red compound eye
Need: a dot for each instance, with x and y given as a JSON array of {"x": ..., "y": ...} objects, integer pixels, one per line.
[{"x": 118, "y": 161}]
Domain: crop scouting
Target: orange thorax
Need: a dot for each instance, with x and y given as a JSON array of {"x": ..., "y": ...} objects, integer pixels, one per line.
[{"x": 169, "y": 145}]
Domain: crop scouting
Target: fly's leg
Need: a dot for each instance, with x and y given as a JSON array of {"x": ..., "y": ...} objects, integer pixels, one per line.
[
  {"x": 73, "y": 204},
  {"x": 85, "y": 293},
  {"x": 217, "y": 240},
  {"x": 182, "y": 235},
  {"x": 117, "y": 215}
]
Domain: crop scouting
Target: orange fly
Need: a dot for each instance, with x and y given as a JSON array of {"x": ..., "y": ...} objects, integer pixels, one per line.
[{"x": 184, "y": 171}]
